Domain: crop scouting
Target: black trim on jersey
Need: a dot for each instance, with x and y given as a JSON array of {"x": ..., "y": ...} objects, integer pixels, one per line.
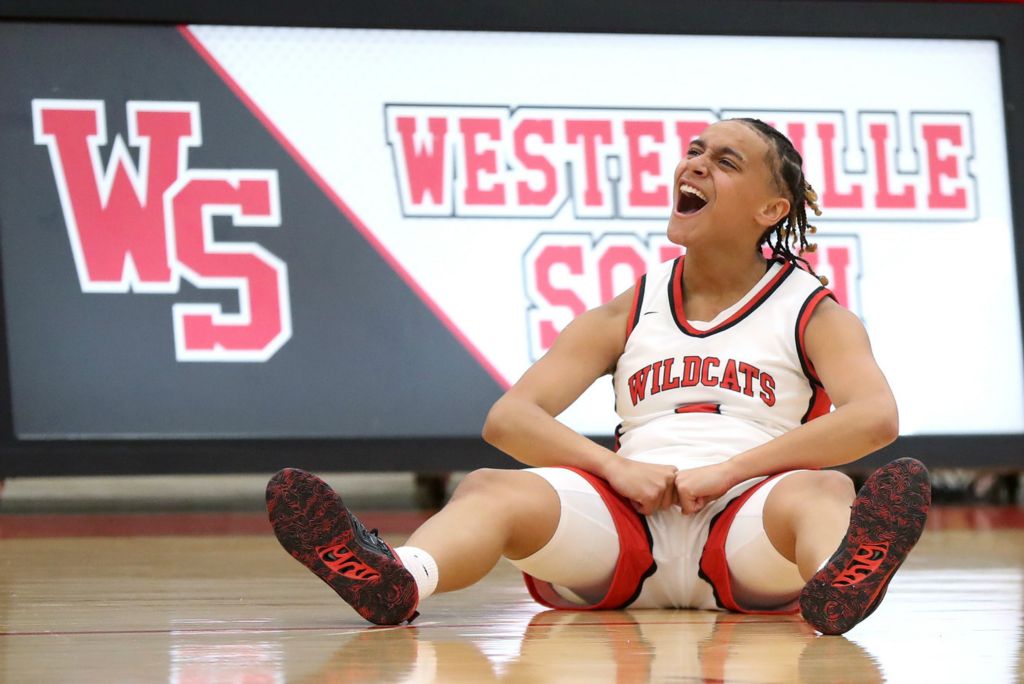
[
  {"x": 812, "y": 378},
  {"x": 647, "y": 573},
  {"x": 787, "y": 270},
  {"x": 796, "y": 336},
  {"x": 638, "y": 304},
  {"x": 810, "y": 404}
]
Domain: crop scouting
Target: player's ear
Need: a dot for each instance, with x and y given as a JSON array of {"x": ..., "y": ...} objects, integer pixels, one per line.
[{"x": 773, "y": 211}]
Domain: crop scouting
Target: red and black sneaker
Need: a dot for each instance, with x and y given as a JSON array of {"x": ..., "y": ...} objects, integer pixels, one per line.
[
  {"x": 886, "y": 520},
  {"x": 316, "y": 528}
]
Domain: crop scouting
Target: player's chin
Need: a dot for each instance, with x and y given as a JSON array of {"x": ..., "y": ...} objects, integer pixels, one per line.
[{"x": 681, "y": 229}]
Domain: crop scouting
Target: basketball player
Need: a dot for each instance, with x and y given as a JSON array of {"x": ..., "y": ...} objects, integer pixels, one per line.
[{"x": 724, "y": 365}]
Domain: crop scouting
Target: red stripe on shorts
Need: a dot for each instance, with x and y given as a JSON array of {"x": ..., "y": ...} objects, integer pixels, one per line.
[
  {"x": 635, "y": 562},
  {"x": 714, "y": 567}
]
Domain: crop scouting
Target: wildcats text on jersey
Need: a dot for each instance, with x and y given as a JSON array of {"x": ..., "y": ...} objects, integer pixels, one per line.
[
  {"x": 142, "y": 228},
  {"x": 711, "y": 371},
  {"x": 528, "y": 162}
]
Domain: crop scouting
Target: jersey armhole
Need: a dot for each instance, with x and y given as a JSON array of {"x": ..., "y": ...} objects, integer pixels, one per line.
[
  {"x": 638, "y": 301},
  {"x": 820, "y": 403},
  {"x": 802, "y": 319}
]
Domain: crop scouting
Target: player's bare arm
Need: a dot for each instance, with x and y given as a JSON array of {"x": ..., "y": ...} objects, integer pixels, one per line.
[
  {"x": 865, "y": 418},
  {"x": 522, "y": 423}
]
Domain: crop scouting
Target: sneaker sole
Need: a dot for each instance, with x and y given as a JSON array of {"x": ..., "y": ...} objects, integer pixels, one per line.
[
  {"x": 891, "y": 507},
  {"x": 307, "y": 514}
]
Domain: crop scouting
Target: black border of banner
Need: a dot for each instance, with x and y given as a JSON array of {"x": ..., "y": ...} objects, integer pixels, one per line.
[{"x": 1003, "y": 22}]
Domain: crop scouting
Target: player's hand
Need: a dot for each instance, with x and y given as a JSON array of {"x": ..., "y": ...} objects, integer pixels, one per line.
[
  {"x": 649, "y": 486},
  {"x": 698, "y": 487}
]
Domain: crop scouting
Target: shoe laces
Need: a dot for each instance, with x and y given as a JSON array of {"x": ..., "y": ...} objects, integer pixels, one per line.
[{"x": 371, "y": 537}]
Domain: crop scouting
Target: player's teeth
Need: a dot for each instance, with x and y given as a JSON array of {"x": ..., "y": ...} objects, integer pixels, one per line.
[{"x": 692, "y": 191}]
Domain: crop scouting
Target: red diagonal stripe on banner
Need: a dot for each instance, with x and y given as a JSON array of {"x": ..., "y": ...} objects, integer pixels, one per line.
[{"x": 388, "y": 257}]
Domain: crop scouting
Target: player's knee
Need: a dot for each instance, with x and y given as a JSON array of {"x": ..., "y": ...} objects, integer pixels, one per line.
[
  {"x": 791, "y": 495},
  {"x": 835, "y": 485},
  {"x": 516, "y": 496},
  {"x": 489, "y": 483}
]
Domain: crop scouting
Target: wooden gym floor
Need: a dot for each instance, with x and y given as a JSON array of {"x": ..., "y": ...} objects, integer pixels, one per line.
[{"x": 209, "y": 597}]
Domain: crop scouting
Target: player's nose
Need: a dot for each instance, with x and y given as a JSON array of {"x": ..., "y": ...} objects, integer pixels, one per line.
[{"x": 697, "y": 165}]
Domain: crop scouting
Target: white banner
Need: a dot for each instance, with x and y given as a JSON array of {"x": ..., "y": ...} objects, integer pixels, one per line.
[{"x": 519, "y": 179}]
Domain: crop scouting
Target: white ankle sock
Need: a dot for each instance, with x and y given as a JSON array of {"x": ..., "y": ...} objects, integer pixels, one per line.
[{"x": 422, "y": 566}]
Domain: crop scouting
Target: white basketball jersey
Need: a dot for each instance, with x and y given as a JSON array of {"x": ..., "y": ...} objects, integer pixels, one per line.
[{"x": 694, "y": 393}]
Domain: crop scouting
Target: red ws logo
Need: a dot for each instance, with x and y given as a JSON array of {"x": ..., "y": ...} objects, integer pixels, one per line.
[{"x": 143, "y": 228}]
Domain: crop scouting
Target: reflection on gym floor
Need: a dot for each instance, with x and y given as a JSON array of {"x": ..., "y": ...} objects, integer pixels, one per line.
[{"x": 209, "y": 609}]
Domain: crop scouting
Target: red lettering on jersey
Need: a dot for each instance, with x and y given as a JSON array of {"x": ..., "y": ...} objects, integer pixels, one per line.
[
  {"x": 700, "y": 371},
  {"x": 832, "y": 197},
  {"x": 263, "y": 323},
  {"x": 944, "y": 167},
  {"x": 656, "y": 377},
  {"x": 544, "y": 129},
  {"x": 641, "y": 165},
  {"x": 478, "y": 162},
  {"x": 705, "y": 371},
  {"x": 886, "y": 198},
  {"x": 572, "y": 258},
  {"x": 668, "y": 381},
  {"x": 591, "y": 133},
  {"x": 767, "y": 389},
  {"x": 638, "y": 385},
  {"x": 115, "y": 216},
  {"x": 424, "y": 166},
  {"x": 750, "y": 373},
  {"x": 691, "y": 371},
  {"x": 729, "y": 377}
]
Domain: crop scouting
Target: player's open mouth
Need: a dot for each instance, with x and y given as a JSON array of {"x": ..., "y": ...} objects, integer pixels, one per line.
[{"x": 690, "y": 200}]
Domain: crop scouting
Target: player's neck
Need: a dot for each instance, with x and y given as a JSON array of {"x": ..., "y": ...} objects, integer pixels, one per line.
[
  {"x": 708, "y": 272},
  {"x": 720, "y": 278}
]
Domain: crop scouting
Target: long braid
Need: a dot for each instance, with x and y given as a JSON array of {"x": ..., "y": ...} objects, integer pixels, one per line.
[{"x": 791, "y": 232}]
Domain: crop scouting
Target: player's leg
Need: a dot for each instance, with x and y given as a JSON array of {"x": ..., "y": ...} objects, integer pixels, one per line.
[
  {"x": 761, "y": 576},
  {"x": 883, "y": 522},
  {"x": 772, "y": 546},
  {"x": 580, "y": 558},
  {"x": 806, "y": 514},
  {"x": 549, "y": 522},
  {"x": 492, "y": 513}
]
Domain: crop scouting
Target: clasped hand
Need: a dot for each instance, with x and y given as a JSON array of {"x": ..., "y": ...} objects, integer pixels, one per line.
[{"x": 652, "y": 487}]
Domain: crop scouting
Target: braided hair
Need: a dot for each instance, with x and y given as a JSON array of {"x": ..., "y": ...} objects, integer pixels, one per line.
[{"x": 787, "y": 171}]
